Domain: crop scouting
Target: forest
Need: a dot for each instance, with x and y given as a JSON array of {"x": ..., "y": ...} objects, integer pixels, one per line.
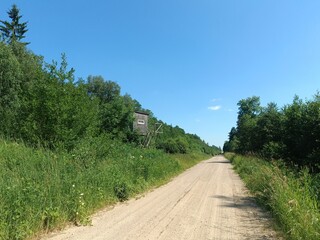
[
  {"x": 43, "y": 104},
  {"x": 290, "y": 133}
]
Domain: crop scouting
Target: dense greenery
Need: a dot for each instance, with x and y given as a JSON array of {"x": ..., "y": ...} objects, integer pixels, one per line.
[
  {"x": 288, "y": 187},
  {"x": 41, "y": 190},
  {"x": 291, "y": 133},
  {"x": 43, "y": 104},
  {"x": 175, "y": 140},
  {"x": 67, "y": 146},
  {"x": 292, "y": 197}
]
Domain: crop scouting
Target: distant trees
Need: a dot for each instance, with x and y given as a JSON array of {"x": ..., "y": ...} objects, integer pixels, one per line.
[
  {"x": 15, "y": 30},
  {"x": 291, "y": 133},
  {"x": 175, "y": 140}
]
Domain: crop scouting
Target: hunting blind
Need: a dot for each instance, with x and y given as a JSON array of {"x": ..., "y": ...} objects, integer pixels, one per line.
[{"x": 140, "y": 123}]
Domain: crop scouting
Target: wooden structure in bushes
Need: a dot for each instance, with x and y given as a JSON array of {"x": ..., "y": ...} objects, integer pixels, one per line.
[{"x": 140, "y": 125}]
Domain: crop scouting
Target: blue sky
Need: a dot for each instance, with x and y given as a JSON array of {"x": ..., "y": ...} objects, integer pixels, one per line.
[{"x": 189, "y": 61}]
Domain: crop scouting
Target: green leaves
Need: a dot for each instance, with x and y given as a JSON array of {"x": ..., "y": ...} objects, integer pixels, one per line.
[
  {"x": 10, "y": 89},
  {"x": 291, "y": 133}
]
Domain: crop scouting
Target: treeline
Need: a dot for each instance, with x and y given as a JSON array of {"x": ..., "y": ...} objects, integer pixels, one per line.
[
  {"x": 291, "y": 133},
  {"x": 43, "y": 104},
  {"x": 175, "y": 140}
]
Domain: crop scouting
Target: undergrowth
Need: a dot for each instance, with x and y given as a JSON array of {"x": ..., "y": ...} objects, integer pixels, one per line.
[
  {"x": 41, "y": 190},
  {"x": 291, "y": 196}
]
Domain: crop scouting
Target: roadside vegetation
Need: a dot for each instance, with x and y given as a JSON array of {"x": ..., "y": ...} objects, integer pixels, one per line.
[
  {"x": 41, "y": 190},
  {"x": 278, "y": 156},
  {"x": 291, "y": 133},
  {"x": 291, "y": 196},
  {"x": 67, "y": 146}
]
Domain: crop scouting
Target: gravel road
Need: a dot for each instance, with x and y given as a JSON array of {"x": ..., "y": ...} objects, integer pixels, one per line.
[{"x": 208, "y": 201}]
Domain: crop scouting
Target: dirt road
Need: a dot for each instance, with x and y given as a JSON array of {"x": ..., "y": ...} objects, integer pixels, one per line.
[{"x": 208, "y": 201}]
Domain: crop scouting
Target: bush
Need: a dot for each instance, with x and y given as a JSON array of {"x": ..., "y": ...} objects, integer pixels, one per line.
[
  {"x": 291, "y": 196},
  {"x": 175, "y": 145},
  {"x": 42, "y": 189},
  {"x": 272, "y": 150}
]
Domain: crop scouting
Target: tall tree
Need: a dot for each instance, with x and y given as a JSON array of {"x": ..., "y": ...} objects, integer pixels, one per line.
[
  {"x": 106, "y": 91},
  {"x": 10, "y": 89},
  {"x": 13, "y": 31},
  {"x": 249, "y": 109}
]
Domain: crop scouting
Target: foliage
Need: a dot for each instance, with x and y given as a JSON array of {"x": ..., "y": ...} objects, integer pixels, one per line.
[
  {"x": 42, "y": 104},
  {"x": 291, "y": 196},
  {"x": 10, "y": 89},
  {"x": 42, "y": 189},
  {"x": 291, "y": 133},
  {"x": 175, "y": 140}
]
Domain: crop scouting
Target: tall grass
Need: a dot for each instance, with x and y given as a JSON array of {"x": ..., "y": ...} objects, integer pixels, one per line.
[
  {"x": 291, "y": 196},
  {"x": 41, "y": 190}
]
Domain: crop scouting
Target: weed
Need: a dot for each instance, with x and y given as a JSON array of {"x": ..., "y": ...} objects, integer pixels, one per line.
[
  {"x": 289, "y": 195},
  {"x": 41, "y": 190}
]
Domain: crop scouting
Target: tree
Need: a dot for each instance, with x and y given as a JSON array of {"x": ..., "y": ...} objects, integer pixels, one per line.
[
  {"x": 249, "y": 109},
  {"x": 270, "y": 125},
  {"x": 249, "y": 106},
  {"x": 106, "y": 91},
  {"x": 13, "y": 31},
  {"x": 232, "y": 144},
  {"x": 10, "y": 89}
]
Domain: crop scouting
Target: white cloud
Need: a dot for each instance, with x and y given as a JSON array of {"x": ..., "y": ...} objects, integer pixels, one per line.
[
  {"x": 215, "y": 100},
  {"x": 214, "y": 108}
]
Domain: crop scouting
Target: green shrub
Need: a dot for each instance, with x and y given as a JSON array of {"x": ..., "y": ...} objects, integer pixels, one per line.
[
  {"x": 291, "y": 196},
  {"x": 41, "y": 190},
  {"x": 174, "y": 145}
]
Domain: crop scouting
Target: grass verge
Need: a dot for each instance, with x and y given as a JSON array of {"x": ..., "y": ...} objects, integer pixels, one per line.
[
  {"x": 291, "y": 196},
  {"x": 42, "y": 190}
]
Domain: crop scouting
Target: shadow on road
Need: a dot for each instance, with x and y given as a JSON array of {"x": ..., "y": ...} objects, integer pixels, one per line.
[
  {"x": 236, "y": 201},
  {"x": 223, "y": 161},
  {"x": 251, "y": 216}
]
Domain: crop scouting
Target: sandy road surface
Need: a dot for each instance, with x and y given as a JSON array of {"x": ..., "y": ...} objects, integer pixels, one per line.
[{"x": 208, "y": 201}]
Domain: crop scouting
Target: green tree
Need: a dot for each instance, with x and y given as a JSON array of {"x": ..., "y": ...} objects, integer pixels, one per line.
[
  {"x": 10, "y": 90},
  {"x": 232, "y": 144},
  {"x": 106, "y": 91},
  {"x": 270, "y": 131},
  {"x": 58, "y": 110},
  {"x": 13, "y": 31},
  {"x": 313, "y": 131},
  {"x": 302, "y": 134},
  {"x": 246, "y": 125},
  {"x": 249, "y": 106},
  {"x": 115, "y": 111}
]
